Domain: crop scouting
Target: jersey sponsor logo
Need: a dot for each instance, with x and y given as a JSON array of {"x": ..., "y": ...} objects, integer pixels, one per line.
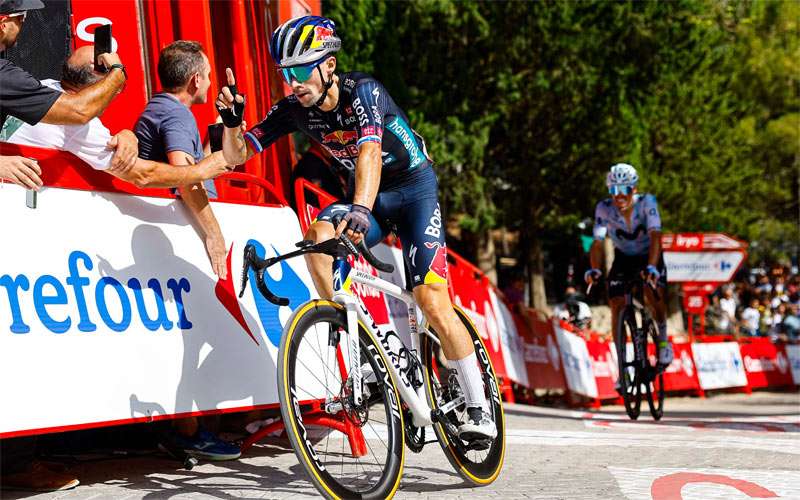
[
  {"x": 404, "y": 134},
  {"x": 340, "y": 137},
  {"x": 622, "y": 234},
  {"x": 363, "y": 119},
  {"x": 371, "y": 130}
]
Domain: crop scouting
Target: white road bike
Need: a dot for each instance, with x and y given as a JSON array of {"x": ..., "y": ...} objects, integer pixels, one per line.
[{"x": 352, "y": 394}]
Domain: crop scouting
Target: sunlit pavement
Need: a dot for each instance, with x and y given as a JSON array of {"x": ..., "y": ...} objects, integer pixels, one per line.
[{"x": 727, "y": 446}]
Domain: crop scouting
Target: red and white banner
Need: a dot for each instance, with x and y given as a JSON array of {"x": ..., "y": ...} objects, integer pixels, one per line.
[
  {"x": 604, "y": 367},
  {"x": 577, "y": 362},
  {"x": 541, "y": 353},
  {"x": 681, "y": 374},
  {"x": 765, "y": 363}
]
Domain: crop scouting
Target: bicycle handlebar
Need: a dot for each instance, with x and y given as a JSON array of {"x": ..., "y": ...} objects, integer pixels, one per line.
[{"x": 335, "y": 247}]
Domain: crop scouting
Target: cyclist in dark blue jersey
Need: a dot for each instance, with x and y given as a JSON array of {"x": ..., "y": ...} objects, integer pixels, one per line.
[{"x": 391, "y": 181}]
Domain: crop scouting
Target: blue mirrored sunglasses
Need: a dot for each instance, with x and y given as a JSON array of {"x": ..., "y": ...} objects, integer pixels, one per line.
[
  {"x": 615, "y": 189},
  {"x": 299, "y": 73}
]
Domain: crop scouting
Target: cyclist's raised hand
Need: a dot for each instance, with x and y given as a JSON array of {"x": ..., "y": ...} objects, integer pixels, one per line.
[
  {"x": 591, "y": 276},
  {"x": 230, "y": 104}
]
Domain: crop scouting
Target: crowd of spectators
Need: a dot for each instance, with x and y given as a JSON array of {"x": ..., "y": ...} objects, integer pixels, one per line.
[{"x": 760, "y": 302}]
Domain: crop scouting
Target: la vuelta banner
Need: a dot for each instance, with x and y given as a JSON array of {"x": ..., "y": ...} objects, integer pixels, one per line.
[
  {"x": 681, "y": 374},
  {"x": 765, "y": 363},
  {"x": 110, "y": 311}
]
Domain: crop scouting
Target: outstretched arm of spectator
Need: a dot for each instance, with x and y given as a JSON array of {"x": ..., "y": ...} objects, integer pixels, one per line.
[
  {"x": 152, "y": 174},
  {"x": 196, "y": 199},
  {"x": 79, "y": 108}
]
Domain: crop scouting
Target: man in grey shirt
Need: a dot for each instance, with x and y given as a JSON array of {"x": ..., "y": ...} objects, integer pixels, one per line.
[{"x": 167, "y": 131}]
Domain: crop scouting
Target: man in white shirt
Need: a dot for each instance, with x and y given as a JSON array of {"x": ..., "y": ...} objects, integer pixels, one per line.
[
  {"x": 727, "y": 303},
  {"x": 94, "y": 144},
  {"x": 751, "y": 319}
]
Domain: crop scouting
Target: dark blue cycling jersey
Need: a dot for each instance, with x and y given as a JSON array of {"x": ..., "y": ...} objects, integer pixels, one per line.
[
  {"x": 408, "y": 195},
  {"x": 365, "y": 113}
]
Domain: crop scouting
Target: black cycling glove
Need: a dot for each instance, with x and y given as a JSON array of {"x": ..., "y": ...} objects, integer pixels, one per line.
[
  {"x": 358, "y": 219},
  {"x": 232, "y": 118}
]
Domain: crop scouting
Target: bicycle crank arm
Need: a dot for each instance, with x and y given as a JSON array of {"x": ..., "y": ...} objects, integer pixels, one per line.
[{"x": 447, "y": 408}]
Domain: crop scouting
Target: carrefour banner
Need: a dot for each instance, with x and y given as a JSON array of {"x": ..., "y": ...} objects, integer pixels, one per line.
[
  {"x": 110, "y": 311},
  {"x": 719, "y": 365}
]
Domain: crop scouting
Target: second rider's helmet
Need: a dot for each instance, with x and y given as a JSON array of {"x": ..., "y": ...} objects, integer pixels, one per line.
[
  {"x": 622, "y": 174},
  {"x": 304, "y": 41}
]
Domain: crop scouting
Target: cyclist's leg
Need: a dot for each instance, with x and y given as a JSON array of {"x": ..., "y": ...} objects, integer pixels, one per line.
[
  {"x": 320, "y": 265},
  {"x": 658, "y": 308},
  {"x": 616, "y": 299},
  {"x": 421, "y": 231}
]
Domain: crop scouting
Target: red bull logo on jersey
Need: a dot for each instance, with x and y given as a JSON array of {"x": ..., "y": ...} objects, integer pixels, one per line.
[
  {"x": 342, "y": 137},
  {"x": 437, "y": 271}
]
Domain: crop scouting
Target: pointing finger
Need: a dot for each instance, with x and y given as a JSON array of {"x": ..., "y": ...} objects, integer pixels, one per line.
[{"x": 229, "y": 74}]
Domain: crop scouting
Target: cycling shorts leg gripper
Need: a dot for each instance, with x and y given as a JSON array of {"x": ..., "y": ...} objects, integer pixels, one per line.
[{"x": 422, "y": 233}]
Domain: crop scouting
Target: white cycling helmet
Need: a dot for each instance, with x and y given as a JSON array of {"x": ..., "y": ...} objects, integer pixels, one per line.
[{"x": 622, "y": 174}]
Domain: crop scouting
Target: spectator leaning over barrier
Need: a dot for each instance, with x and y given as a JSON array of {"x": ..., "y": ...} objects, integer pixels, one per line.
[
  {"x": 94, "y": 144},
  {"x": 24, "y": 97},
  {"x": 167, "y": 131}
]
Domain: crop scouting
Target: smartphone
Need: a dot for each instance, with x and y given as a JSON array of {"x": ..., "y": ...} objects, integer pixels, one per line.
[
  {"x": 215, "y": 131},
  {"x": 30, "y": 198},
  {"x": 102, "y": 45}
]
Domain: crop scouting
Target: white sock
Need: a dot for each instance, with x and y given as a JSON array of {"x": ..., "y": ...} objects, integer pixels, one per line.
[{"x": 471, "y": 381}]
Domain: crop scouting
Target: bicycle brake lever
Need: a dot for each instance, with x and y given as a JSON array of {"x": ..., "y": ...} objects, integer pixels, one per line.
[
  {"x": 246, "y": 265},
  {"x": 262, "y": 287}
]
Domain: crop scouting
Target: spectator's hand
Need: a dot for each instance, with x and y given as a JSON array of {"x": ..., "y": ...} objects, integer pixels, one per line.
[
  {"x": 22, "y": 171},
  {"x": 215, "y": 246},
  {"x": 109, "y": 59},
  {"x": 127, "y": 151},
  {"x": 230, "y": 104}
]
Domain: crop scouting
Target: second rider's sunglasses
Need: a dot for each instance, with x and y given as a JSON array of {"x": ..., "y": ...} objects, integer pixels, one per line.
[
  {"x": 614, "y": 190},
  {"x": 299, "y": 73}
]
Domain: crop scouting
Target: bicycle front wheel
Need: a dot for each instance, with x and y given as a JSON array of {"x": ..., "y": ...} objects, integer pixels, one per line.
[
  {"x": 655, "y": 376},
  {"x": 479, "y": 467},
  {"x": 629, "y": 381},
  {"x": 349, "y": 450}
]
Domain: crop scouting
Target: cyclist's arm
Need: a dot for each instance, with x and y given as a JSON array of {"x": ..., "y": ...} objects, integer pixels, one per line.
[
  {"x": 238, "y": 145},
  {"x": 368, "y": 174},
  {"x": 653, "y": 228},
  {"x": 655, "y": 248},
  {"x": 597, "y": 254}
]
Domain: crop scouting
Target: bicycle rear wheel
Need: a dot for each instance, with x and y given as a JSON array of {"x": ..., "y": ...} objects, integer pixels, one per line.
[
  {"x": 629, "y": 379},
  {"x": 479, "y": 467},
  {"x": 348, "y": 450},
  {"x": 655, "y": 377}
]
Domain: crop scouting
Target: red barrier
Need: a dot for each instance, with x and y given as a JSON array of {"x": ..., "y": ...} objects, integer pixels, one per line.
[
  {"x": 681, "y": 374},
  {"x": 766, "y": 364},
  {"x": 542, "y": 355},
  {"x": 604, "y": 367}
]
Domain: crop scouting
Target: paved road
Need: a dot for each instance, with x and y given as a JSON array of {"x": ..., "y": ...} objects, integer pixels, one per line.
[{"x": 727, "y": 446}]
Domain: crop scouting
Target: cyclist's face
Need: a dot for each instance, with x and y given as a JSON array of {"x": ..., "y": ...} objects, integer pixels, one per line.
[
  {"x": 624, "y": 201},
  {"x": 309, "y": 91}
]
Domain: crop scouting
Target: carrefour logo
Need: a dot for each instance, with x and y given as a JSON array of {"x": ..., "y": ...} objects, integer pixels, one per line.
[{"x": 114, "y": 301}]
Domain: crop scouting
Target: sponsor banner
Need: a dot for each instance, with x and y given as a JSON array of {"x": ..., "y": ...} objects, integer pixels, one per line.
[
  {"x": 513, "y": 346},
  {"x": 765, "y": 363},
  {"x": 604, "y": 367},
  {"x": 717, "y": 266},
  {"x": 109, "y": 309},
  {"x": 793, "y": 354},
  {"x": 577, "y": 362},
  {"x": 719, "y": 365},
  {"x": 541, "y": 354},
  {"x": 471, "y": 293},
  {"x": 681, "y": 374}
]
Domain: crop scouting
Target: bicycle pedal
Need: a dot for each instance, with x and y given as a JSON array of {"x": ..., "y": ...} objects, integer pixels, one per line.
[{"x": 479, "y": 445}]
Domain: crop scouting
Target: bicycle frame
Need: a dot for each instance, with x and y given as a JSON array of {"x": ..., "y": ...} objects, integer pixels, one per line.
[{"x": 343, "y": 278}]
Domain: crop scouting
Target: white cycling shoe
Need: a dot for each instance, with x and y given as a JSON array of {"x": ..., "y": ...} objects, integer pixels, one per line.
[
  {"x": 479, "y": 425},
  {"x": 665, "y": 354}
]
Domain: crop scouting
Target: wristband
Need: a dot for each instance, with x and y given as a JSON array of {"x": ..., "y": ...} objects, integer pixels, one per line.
[{"x": 119, "y": 66}]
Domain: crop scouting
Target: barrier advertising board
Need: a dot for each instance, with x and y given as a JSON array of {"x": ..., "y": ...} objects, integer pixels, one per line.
[
  {"x": 719, "y": 365},
  {"x": 110, "y": 311},
  {"x": 718, "y": 266},
  {"x": 765, "y": 363},
  {"x": 681, "y": 374},
  {"x": 513, "y": 346},
  {"x": 793, "y": 353},
  {"x": 604, "y": 367},
  {"x": 542, "y": 357},
  {"x": 576, "y": 361}
]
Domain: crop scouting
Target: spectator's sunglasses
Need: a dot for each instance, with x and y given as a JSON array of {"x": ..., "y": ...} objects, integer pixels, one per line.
[
  {"x": 616, "y": 189},
  {"x": 22, "y": 15},
  {"x": 299, "y": 73}
]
